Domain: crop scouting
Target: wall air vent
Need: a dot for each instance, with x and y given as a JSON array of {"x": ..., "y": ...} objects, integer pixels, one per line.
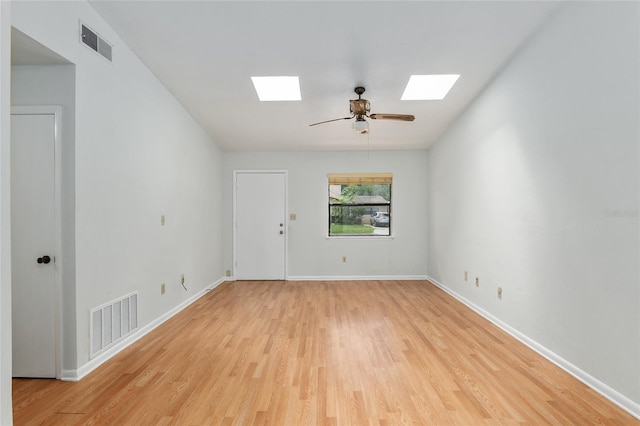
[
  {"x": 112, "y": 322},
  {"x": 95, "y": 42}
]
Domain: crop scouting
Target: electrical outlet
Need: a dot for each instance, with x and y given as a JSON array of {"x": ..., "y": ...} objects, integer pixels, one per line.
[
  {"x": 344, "y": 259},
  {"x": 292, "y": 216},
  {"x": 500, "y": 293},
  {"x": 162, "y": 288},
  {"x": 477, "y": 282},
  {"x": 466, "y": 275},
  {"x": 227, "y": 273}
]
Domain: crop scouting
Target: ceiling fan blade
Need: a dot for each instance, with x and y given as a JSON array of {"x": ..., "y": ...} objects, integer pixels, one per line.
[
  {"x": 401, "y": 117},
  {"x": 329, "y": 121}
]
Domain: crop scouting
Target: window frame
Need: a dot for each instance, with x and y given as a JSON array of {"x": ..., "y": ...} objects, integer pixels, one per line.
[{"x": 359, "y": 179}]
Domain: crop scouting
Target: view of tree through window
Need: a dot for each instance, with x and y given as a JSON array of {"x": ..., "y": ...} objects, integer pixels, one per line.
[{"x": 360, "y": 204}]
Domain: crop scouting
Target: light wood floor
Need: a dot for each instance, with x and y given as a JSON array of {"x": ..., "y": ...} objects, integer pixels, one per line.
[{"x": 337, "y": 353}]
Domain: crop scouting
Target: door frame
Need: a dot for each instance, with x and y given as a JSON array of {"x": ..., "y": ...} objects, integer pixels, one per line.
[
  {"x": 236, "y": 172},
  {"x": 56, "y": 111}
]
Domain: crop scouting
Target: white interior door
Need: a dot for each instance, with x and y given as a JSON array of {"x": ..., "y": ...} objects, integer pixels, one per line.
[
  {"x": 32, "y": 245},
  {"x": 260, "y": 231}
]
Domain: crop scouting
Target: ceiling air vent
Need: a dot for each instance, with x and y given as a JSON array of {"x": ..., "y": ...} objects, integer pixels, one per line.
[{"x": 93, "y": 40}]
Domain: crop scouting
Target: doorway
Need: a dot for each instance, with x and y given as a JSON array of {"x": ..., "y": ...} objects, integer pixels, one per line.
[
  {"x": 35, "y": 239},
  {"x": 259, "y": 224}
]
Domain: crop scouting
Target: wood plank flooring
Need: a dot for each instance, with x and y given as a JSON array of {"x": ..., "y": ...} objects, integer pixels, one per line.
[{"x": 320, "y": 353}]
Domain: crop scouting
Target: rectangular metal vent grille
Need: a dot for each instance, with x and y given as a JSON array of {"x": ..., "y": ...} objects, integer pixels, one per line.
[
  {"x": 113, "y": 322},
  {"x": 95, "y": 42}
]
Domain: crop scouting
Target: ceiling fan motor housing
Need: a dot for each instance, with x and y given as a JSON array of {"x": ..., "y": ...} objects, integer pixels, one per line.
[{"x": 360, "y": 107}]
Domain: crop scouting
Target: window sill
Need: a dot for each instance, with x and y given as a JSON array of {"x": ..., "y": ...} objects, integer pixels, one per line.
[{"x": 358, "y": 237}]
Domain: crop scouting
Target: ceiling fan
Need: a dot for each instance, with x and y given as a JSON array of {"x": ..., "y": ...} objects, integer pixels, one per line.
[{"x": 360, "y": 108}]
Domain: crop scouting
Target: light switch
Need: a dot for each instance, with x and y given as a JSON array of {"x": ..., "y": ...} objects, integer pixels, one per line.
[
  {"x": 162, "y": 219},
  {"x": 292, "y": 216}
]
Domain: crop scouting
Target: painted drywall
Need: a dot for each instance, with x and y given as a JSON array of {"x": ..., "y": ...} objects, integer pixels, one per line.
[
  {"x": 55, "y": 85},
  {"x": 311, "y": 254},
  {"x": 6, "y": 407},
  {"x": 138, "y": 155},
  {"x": 535, "y": 189}
]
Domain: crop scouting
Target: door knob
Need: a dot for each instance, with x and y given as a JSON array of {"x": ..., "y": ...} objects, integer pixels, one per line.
[
  {"x": 281, "y": 232},
  {"x": 281, "y": 225},
  {"x": 44, "y": 259}
]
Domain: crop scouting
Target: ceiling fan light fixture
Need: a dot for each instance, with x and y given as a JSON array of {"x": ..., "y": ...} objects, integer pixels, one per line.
[
  {"x": 360, "y": 125},
  {"x": 428, "y": 87}
]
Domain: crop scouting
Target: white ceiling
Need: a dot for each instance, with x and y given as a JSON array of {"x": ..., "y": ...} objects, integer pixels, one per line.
[{"x": 206, "y": 51}]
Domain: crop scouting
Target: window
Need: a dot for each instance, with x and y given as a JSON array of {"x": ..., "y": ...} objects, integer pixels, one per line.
[{"x": 359, "y": 204}]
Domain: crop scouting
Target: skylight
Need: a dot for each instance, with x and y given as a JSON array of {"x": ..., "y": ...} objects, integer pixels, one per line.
[
  {"x": 428, "y": 87},
  {"x": 277, "y": 88}
]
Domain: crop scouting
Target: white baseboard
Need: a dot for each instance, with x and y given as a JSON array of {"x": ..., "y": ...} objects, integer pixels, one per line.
[
  {"x": 347, "y": 278},
  {"x": 76, "y": 375},
  {"x": 356, "y": 277},
  {"x": 603, "y": 389}
]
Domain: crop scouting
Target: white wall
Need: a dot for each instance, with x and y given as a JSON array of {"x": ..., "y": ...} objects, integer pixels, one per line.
[
  {"x": 311, "y": 253},
  {"x": 5, "y": 209},
  {"x": 138, "y": 155},
  {"x": 536, "y": 189}
]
